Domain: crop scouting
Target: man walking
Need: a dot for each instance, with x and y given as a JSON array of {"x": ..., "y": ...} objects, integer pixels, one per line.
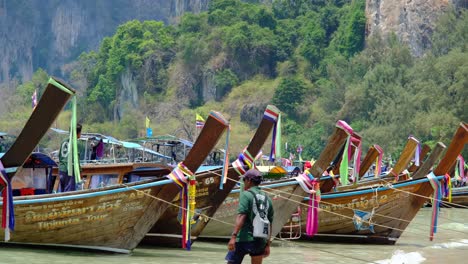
[{"x": 253, "y": 205}]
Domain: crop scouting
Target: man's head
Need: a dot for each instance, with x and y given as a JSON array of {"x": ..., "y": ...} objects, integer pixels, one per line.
[
  {"x": 252, "y": 177},
  {"x": 78, "y": 130}
]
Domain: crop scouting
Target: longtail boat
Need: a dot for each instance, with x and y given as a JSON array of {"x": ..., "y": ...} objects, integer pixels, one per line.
[
  {"x": 113, "y": 218},
  {"x": 459, "y": 190},
  {"x": 459, "y": 198},
  {"x": 374, "y": 214},
  {"x": 285, "y": 200},
  {"x": 167, "y": 231},
  {"x": 395, "y": 174}
]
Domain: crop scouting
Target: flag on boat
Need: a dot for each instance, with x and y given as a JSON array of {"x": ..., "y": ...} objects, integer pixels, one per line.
[
  {"x": 147, "y": 123},
  {"x": 149, "y": 131},
  {"x": 34, "y": 99},
  {"x": 199, "y": 121}
]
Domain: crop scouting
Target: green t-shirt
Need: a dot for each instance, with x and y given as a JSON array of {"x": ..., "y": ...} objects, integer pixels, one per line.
[
  {"x": 64, "y": 151},
  {"x": 246, "y": 202}
]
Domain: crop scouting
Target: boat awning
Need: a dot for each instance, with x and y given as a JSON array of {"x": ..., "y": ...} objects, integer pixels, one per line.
[
  {"x": 208, "y": 168},
  {"x": 132, "y": 145},
  {"x": 39, "y": 160},
  {"x": 290, "y": 169}
]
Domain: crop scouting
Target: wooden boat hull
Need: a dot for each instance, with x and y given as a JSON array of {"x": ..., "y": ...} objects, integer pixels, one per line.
[
  {"x": 113, "y": 218},
  {"x": 459, "y": 197},
  {"x": 167, "y": 231},
  {"x": 393, "y": 210}
]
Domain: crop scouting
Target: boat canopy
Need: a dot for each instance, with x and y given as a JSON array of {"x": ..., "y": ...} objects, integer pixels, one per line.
[
  {"x": 132, "y": 145},
  {"x": 39, "y": 160}
]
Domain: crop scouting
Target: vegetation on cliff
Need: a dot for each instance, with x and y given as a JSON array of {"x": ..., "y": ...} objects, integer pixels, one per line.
[{"x": 307, "y": 59}]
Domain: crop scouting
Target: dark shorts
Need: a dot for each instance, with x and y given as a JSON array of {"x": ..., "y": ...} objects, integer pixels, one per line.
[{"x": 253, "y": 248}]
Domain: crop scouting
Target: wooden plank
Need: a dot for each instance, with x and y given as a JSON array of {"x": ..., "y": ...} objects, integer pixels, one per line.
[
  {"x": 454, "y": 149},
  {"x": 332, "y": 148},
  {"x": 112, "y": 218},
  {"x": 405, "y": 156},
  {"x": 368, "y": 160}
]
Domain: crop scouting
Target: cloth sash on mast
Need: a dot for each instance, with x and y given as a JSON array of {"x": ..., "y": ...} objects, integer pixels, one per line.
[
  {"x": 417, "y": 153},
  {"x": 274, "y": 116},
  {"x": 8, "y": 214},
  {"x": 435, "y": 183},
  {"x": 311, "y": 186},
  {"x": 448, "y": 187},
  {"x": 73, "y": 160},
  {"x": 225, "y": 161},
  {"x": 460, "y": 169},
  {"x": 345, "y": 158},
  {"x": 185, "y": 179},
  {"x": 357, "y": 143}
]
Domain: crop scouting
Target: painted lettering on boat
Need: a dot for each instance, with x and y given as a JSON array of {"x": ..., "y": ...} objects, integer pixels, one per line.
[{"x": 58, "y": 215}]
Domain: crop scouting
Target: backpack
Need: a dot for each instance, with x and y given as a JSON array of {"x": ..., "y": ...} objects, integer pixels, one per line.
[{"x": 260, "y": 223}]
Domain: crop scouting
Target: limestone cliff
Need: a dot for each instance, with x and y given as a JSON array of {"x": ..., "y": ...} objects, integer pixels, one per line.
[
  {"x": 50, "y": 33},
  {"x": 412, "y": 21}
]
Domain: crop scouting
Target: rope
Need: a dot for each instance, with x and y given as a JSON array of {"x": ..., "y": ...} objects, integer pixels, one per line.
[
  {"x": 280, "y": 191},
  {"x": 345, "y": 216},
  {"x": 389, "y": 185},
  {"x": 275, "y": 238},
  {"x": 347, "y": 207},
  {"x": 230, "y": 224}
]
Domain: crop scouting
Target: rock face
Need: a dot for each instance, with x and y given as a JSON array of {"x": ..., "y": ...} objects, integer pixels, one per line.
[
  {"x": 48, "y": 33},
  {"x": 412, "y": 21}
]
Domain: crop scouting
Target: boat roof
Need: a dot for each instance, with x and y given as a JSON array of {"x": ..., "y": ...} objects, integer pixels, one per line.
[
  {"x": 112, "y": 140},
  {"x": 165, "y": 140},
  {"x": 39, "y": 160},
  {"x": 208, "y": 168}
]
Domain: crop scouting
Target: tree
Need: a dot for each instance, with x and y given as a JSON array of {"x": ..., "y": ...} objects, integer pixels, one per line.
[{"x": 289, "y": 95}]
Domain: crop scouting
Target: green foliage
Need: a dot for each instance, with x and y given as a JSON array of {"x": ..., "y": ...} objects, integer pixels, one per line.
[
  {"x": 224, "y": 81},
  {"x": 289, "y": 95},
  {"x": 136, "y": 45},
  {"x": 26, "y": 90},
  {"x": 306, "y": 57},
  {"x": 451, "y": 32}
]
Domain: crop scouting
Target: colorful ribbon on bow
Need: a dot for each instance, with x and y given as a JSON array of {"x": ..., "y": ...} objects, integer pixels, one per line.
[
  {"x": 435, "y": 203},
  {"x": 345, "y": 158},
  {"x": 357, "y": 143},
  {"x": 460, "y": 169},
  {"x": 448, "y": 187},
  {"x": 245, "y": 160},
  {"x": 185, "y": 179},
  {"x": 274, "y": 116},
  {"x": 311, "y": 186},
  {"x": 8, "y": 215}
]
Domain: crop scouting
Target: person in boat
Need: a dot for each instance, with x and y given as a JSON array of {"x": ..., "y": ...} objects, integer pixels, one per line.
[
  {"x": 67, "y": 182},
  {"x": 97, "y": 150},
  {"x": 242, "y": 240}
]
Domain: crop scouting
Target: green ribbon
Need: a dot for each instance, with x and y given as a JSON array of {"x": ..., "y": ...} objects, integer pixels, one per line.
[
  {"x": 344, "y": 164},
  {"x": 73, "y": 145}
]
